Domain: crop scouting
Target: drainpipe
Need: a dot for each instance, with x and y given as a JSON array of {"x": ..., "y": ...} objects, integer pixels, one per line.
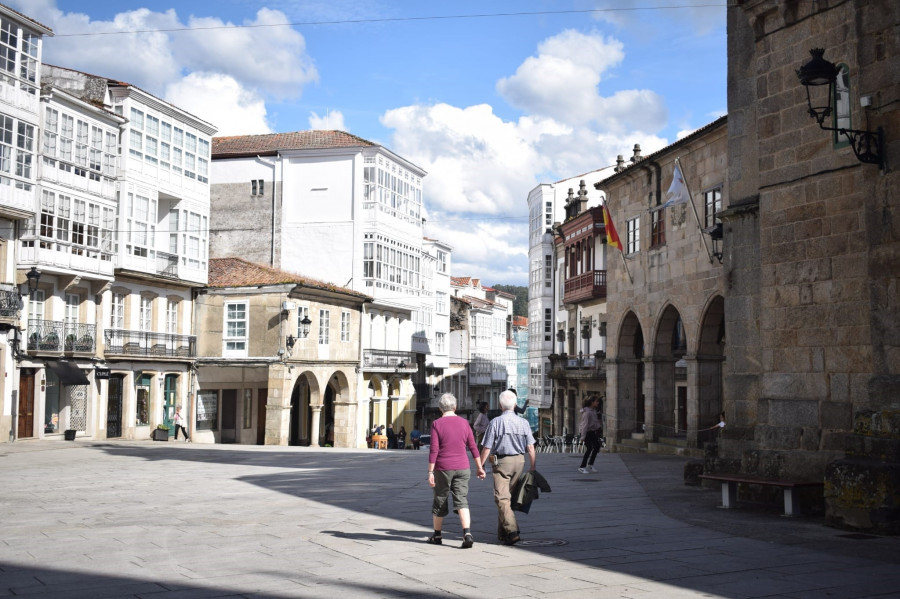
[{"x": 274, "y": 165}]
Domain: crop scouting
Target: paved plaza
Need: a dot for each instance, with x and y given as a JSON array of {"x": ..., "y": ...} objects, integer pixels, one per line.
[{"x": 165, "y": 520}]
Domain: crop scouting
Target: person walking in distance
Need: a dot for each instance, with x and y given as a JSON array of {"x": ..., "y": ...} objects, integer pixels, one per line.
[
  {"x": 179, "y": 425},
  {"x": 448, "y": 469},
  {"x": 506, "y": 441},
  {"x": 481, "y": 423},
  {"x": 589, "y": 428}
]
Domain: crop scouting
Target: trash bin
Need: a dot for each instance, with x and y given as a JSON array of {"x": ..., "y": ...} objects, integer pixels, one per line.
[{"x": 70, "y": 435}]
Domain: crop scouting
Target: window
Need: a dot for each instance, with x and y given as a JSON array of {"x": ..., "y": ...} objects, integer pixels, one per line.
[
  {"x": 257, "y": 188},
  {"x": 51, "y": 129},
  {"x": 248, "y": 408},
  {"x": 712, "y": 205},
  {"x": 841, "y": 104},
  {"x": 442, "y": 261},
  {"x": 24, "y": 149},
  {"x": 146, "y": 316},
  {"x": 207, "y": 410},
  {"x": 548, "y": 271},
  {"x": 141, "y": 227},
  {"x": 633, "y": 235},
  {"x": 345, "y": 325},
  {"x": 658, "y": 228},
  {"x": 324, "y": 324},
  {"x": 548, "y": 216},
  {"x": 548, "y": 324},
  {"x": 171, "y": 317},
  {"x": 440, "y": 342},
  {"x": 117, "y": 311},
  {"x": 235, "y": 330},
  {"x": 142, "y": 390}
]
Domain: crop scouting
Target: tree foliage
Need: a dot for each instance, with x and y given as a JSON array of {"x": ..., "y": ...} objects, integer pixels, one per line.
[{"x": 520, "y": 305}]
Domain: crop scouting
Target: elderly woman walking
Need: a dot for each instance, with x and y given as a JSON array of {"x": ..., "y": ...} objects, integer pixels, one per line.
[{"x": 449, "y": 470}]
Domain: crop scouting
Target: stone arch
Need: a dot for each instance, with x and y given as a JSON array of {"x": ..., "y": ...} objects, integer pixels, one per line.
[
  {"x": 668, "y": 348},
  {"x": 710, "y": 357},
  {"x": 305, "y": 392},
  {"x": 627, "y": 416}
]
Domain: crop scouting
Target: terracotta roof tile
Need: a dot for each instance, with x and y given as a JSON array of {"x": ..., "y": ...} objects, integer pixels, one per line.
[
  {"x": 237, "y": 272},
  {"x": 461, "y": 281},
  {"x": 520, "y": 321},
  {"x": 253, "y": 145}
]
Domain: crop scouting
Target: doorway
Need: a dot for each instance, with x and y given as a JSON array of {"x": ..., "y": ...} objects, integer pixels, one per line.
[
  {"x": 261, "y": 402},
  {"x": 682, "y": 410},
  {"x": 169, "y": 395},
  {"x": 229, "y": 415},
  {"x": 25, "y": 416},
  {"x": 327, "y": 436},
  {"x": 114, "y": 406}
]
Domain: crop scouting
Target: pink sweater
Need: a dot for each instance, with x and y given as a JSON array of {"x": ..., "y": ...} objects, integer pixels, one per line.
[{"x": 450, "y": 436}]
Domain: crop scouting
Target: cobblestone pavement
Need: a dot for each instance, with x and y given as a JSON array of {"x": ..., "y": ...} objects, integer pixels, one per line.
[{"x": 166, "y": 520}]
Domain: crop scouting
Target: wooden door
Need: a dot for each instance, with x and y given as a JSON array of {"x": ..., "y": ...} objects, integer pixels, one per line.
[{"x": 25, "y": 417}]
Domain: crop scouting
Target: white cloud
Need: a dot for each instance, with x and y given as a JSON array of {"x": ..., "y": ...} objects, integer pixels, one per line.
[
  {"x": 221, "y": 101},
  {"x": 698, "y": 20},
  {"x": 562, "y": 80},
  {"x": 272, "y": 60},
  {"x": 495, "y": 251},
  {"x": 333, "y": 119}
]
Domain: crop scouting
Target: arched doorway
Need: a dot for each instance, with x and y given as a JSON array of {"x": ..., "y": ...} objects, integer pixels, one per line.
[
  {"x": 326, "y": 425},
  {"x": 630, "y": 378},
  {"x": 669, "y": 346},
  {"x": 298, "y": 433}
]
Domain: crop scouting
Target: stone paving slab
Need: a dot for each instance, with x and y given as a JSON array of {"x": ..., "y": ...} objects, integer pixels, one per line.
[{"x": 165, "y": 521}]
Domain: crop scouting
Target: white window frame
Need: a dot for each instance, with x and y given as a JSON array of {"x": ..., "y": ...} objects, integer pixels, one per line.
[
  {"x": 345, "y": 325},
  {"x": 324, "y": 326},
  {"x": 235, "y": 329}
]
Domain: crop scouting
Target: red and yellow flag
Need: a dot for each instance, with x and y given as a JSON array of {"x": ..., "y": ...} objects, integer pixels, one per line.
[{"x": 612, "y": 238}]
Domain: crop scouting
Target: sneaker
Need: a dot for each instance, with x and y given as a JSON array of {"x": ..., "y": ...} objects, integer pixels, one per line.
[
  {"x": 435, "y": 540},
  {"x": 591, "y": 468},
  {"x": 583, "y": 470},
  {"x": 468, "y": 541}
]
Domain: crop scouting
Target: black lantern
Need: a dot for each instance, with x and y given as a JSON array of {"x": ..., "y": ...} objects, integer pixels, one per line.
[
  {"x": 290, "y": 341},
  {"x": 33, "y": 276},
  {"x": 868, "y": 146},
  {"x": 715, "y": 234},
  {"x": 303, "y": 328}
]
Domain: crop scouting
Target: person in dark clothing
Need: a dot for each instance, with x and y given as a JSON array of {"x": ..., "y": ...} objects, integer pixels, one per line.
[{"x": 391, "y": 437}]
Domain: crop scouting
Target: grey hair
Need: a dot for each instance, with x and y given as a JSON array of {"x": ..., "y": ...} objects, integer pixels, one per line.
[
  {"x": 508, "y": 400},
  {"x": 447, "y": 402}
]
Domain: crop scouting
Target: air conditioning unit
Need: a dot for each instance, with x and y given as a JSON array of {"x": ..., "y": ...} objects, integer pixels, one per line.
[{"x": 288, "y": 306}]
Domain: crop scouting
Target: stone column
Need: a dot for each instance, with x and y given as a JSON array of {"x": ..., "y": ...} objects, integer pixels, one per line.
[
  {"x": 693, "y": 400},
  {"x": 649, "y": 391},
  {"x": 314, "y": 429}
]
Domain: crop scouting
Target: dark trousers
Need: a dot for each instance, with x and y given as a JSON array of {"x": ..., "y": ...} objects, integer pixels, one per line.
[
  {"x": 183, "y": 430},
  {"x": 591, "y": 448}
]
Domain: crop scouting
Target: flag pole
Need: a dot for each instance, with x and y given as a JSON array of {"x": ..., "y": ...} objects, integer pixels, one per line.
[
  {"x": 625, "y": 264},
  {"x": 694, "y": 208}
]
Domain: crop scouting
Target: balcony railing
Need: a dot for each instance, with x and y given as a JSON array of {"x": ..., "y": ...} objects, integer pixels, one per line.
[
  {"x": 166, "y": 264},
  {"x": 383, "y": 359},
  {"x": 590, "y": 285},
  {"x": 10, "y": 301},
  {"x": 144, "y": 343},
  {"x": 56, "y": 335}
]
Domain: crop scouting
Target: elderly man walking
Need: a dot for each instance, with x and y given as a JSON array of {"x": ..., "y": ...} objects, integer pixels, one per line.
[{"x": 506, "y": 440}]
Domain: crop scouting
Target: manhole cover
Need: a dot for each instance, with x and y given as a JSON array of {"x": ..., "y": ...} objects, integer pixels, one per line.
[{"x": 541, "y": 542}]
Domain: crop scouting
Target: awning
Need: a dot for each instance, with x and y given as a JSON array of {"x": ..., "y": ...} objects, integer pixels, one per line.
[{"x": 68, "y": 373}]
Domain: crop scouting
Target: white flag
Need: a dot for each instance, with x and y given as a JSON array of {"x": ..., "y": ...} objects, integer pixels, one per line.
[{"x": 678, "y": 193}]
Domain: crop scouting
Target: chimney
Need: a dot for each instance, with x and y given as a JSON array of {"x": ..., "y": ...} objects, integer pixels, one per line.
[
  {"x": 637, "y": 153},
  {"x": 620, "y": 164}
]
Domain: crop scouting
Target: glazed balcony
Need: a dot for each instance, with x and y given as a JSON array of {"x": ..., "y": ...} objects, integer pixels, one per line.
[
  {"x": 384, "y": 360},
  {"x": 587, "y": 286}
]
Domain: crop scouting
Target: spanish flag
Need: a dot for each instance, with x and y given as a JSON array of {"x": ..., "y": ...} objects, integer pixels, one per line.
[{"x": 612, "y": 238}]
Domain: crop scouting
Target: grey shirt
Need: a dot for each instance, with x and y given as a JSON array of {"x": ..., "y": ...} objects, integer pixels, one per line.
[{"x": 508, "y": 434}]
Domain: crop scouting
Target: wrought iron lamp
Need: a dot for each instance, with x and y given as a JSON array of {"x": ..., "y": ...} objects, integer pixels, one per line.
[
  {"x": 716, "y": 234},
  {"x": 290, "y": 341},
  {"x": 34, "y": 277},
  {"x": 303, "y": 328},
  {"x": 868, "y": 146}
]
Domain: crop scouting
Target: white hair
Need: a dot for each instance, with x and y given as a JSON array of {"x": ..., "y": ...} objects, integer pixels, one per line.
[
  {"x": 447, "y": 402},
  {"x": 508, "y": 400}
]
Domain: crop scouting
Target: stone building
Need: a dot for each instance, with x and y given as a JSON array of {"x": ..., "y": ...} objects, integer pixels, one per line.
[
  {"x": 665, "y": 293},
  {"x": 812, "y": 254},
  {"x": 279, "y": 360}
]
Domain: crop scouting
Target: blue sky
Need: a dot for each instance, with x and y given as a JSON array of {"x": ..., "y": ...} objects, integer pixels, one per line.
[{"x": 490, "y": 106}]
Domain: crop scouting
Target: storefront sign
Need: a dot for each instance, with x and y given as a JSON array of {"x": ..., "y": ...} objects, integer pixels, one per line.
[{"x": 101, "y": 374}]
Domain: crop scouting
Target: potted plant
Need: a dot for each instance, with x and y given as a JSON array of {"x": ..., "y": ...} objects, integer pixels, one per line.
[
  {"x": 85, "y": 344},
  {"x": 70, "y": 342},
  {"x": 50, "y": 341},
  {"x": 160, "y": 433}
]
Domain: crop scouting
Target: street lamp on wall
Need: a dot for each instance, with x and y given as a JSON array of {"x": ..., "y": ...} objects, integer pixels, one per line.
[
  {"x": 303, "y": 328},
  {"x": 818, "y": 73},
  {"x": 34, "y": 277},
  {"x": 716, "y": 234}
]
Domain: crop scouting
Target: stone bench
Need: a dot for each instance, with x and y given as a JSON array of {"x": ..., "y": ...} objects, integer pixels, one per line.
[{"x": 731, "y": 481}]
